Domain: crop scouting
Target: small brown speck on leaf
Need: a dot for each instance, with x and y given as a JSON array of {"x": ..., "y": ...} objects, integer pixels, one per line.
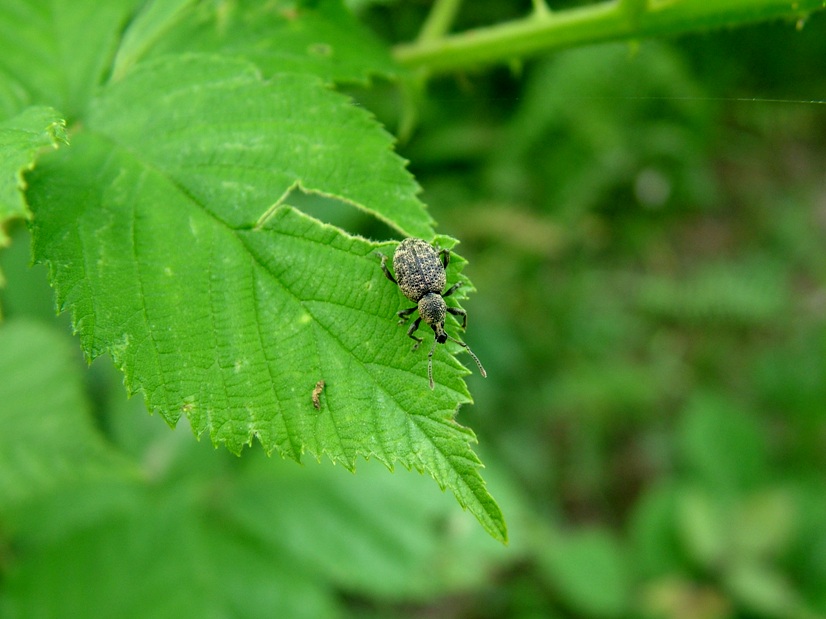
[{"x": 319, "y": 387}]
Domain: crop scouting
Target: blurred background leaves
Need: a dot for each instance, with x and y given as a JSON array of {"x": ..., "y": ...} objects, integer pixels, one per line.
[{"x": 646, "y": 225}]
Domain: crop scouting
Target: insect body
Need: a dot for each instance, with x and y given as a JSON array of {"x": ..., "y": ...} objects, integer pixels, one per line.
[
  {"x": 420, "y": 274},
  {"x": 319, "y": 387}
]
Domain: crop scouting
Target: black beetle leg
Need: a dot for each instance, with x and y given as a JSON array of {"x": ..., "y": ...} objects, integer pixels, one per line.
[
  {"x": 405, "y": 314},
  {"x": 444, "y": 254},
  {"x": 452, "y": 289},
  {"x": 459, "y": 312},
  {"x": 412, "y": 330}
]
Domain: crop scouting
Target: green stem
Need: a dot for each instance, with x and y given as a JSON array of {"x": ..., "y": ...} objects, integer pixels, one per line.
[
  {"x": 545, "y": 31},
  {"x": 540, "y": 8},
  {"x": 439, "y": 20}
]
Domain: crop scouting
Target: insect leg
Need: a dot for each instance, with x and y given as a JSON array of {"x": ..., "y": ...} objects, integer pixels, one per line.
[
  {"x": 452, "y": 289},
  {"x": 444, "y": 254},
  {"x": 404, "y": 314},
  {"x": 412, "y": 330},
  {"x": 459, "y": 312},
  {"x": 385, "y": 269}
]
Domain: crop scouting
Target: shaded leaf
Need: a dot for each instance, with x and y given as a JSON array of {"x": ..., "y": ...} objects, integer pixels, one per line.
[
  {"x": 764, "y": 525},
  {"x": 589, "y": 570},
  {"x": 252, "y": 538},
  {"x": 656, "y": 547},
  {"x": 162, "y": 558},
  {"x": 352, "y": 528},
  {"x": 48, "y": 439},
  {"x": 764, "y": 590},
  {"x": 704, "y": 526},
  {"x": 722, "y": 445}
]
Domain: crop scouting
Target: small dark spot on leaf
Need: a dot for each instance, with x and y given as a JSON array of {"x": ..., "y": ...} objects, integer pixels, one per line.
[{"x": 322, "y": 50}]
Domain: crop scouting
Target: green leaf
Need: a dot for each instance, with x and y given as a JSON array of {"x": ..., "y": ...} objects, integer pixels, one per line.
[
  {"x": 162, "y": 558},
  {"x": 147, "y": 28},
  {"x": 26, "y": 292},
  {"x": 262, "y": 538},
  {"x": 48, "y": 439},
  {"x": 656, "y": 547},
  {"x": 722, "y": 445},
  {"x": 321, "y": 38},
  {"x": 236, "y": 143},
  {"x": 764, "y": 525},
  {"x": 704, "y": 526},
  {"x": 387, "y": 525},
  {"x": 21, "y": 138},
  {"x": 59, "y": 52},
  {"x": 163, "y": 235},
  {"x": 764, "y": 590},
  {"x": 589, "y": 570}
]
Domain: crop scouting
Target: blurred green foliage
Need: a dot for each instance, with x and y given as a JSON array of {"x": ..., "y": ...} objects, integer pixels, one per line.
[{"x": 646, "y": 226}]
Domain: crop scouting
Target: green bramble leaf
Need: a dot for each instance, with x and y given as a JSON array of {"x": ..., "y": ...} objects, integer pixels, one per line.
[
  {"x": 57, "y": 53},
  {"x": 166, "y": 236},
  {"x": 21, "y": 139},
  {"x": 321, "y": 38}
]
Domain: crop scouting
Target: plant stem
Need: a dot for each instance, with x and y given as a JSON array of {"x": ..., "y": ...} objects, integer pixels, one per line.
[
  {"x": 540, "y": 8},
  {"x": 545, "y": 31},
  {"x": 439, "y": 20}
]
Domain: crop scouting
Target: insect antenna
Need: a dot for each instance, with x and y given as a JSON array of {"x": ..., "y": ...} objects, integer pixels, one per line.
[{"x": 470, "y": 352}]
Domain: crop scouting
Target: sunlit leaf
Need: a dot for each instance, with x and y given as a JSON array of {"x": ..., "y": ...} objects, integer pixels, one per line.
[
  {"x": 57, "y": 53},
  {"x": 321, "y": 38},
  {"x": 21, "y": 138},
  {"x": 163, "y": 234}
]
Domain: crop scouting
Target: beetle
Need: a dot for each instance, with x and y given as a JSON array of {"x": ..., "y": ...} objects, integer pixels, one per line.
[{"x": 421, "y": 276}]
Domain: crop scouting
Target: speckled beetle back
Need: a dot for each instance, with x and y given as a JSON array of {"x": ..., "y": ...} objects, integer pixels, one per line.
[{"x": 418, "y": 269}]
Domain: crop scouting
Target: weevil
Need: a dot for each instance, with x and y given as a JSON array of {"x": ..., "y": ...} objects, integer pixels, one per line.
[{"x": 421, "y": 276}]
